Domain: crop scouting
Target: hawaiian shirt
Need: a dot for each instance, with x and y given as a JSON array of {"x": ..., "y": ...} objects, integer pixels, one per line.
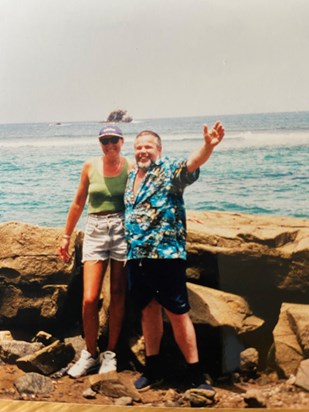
[{"x": 155, "y": 220}]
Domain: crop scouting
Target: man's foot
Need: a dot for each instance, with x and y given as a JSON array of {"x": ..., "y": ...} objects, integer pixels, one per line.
[
  {"x": 205, "y": 387},
  {"x": 85, "y": 365},
  {"x": 143, "y": 383},
  {"x": 109, "y": 362}
]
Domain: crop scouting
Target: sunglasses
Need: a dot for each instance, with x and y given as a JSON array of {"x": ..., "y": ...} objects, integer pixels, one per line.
[{"x": 112, "y": 139}]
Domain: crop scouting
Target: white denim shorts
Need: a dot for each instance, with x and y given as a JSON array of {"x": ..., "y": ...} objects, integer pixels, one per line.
[{"x": 104, "y": 238}]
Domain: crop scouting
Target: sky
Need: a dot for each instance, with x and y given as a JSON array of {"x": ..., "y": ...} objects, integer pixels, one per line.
[{"x": 77, "y": 60}]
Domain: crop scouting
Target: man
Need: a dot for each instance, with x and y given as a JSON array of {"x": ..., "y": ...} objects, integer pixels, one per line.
[{"x": 156, "y": 233}]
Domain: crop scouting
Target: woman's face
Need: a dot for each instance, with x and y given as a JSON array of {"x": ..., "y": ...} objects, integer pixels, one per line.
[{"x": 111, "y": 145}]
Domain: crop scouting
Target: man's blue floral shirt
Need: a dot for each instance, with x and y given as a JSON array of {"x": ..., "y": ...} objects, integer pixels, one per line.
[{"x": 155, "y": 219}]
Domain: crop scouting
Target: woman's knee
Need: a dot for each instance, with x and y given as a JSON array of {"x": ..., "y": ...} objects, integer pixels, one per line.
[{"x": 91, "y": 301}]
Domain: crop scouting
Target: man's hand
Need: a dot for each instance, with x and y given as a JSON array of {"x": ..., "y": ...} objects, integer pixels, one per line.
[
  {"x": 212, "y": 139},
  {"x": 214, "y": 136}
]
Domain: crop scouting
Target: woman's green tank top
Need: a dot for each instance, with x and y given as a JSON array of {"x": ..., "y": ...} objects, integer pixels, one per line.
[{"x": 105, "y": 194}]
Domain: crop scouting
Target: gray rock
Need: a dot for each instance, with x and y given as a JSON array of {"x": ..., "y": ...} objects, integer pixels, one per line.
[
  {"x": 200, "y": 397},
  {"x": 113, "y": 385},
  {"x": 11, "y": 350},
  {"x": 48, "y": 360},
  {"x": 119, "y": 115},
  {"x": 249, "y": 360},
  {"x": 34, "y": 383}
]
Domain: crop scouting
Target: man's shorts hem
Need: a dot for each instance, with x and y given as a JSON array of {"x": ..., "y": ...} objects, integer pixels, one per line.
[{"x": 163, "y": 280}]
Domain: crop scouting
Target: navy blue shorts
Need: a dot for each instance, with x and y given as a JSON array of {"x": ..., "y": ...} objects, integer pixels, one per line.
[{"x": 160, "y": 279}]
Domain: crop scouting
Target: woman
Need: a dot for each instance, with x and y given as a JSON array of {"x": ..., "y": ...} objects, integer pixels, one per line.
[{"x": 103, "y": 181}]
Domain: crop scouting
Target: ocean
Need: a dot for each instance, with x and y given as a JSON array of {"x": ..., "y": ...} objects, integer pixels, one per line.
[{"x": 260, "y": 167}]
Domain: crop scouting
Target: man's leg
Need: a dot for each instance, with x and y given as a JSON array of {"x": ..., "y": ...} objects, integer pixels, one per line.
[
  {"x": 185, "y": 337},
  {"x": 184, "y": 334},
  {"x": 152, "y": 326}
]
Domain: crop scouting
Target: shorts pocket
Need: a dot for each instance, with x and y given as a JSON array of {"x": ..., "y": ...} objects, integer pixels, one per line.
[{"x": 90, "y": 227}]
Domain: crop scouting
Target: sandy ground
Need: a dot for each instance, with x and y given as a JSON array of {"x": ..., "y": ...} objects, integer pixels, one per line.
[{"x": 276, "y": 394}]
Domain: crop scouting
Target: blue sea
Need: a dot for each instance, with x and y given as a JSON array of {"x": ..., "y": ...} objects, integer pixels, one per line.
[{"x": 261, "y": 166}]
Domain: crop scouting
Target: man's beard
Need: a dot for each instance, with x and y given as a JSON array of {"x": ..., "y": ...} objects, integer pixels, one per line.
[{"x": 144, "y": 165}]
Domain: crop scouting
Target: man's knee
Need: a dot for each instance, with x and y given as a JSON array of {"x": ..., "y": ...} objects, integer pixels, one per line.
[{"x": 152, "y": 308}]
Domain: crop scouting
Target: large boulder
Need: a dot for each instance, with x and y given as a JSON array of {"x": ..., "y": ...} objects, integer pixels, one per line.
[
  {"x": 243, "y": 253},
  {"x": 263, "y": 259},
  {"x": 291, "y": 338},
  {"x": 34, "y": 282},
  {"x": 217, "y": 308}
]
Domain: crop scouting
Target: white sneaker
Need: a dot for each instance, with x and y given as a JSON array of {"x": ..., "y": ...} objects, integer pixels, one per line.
[
  {"x": 86, "y": 364},
  {"x": 109, "y": 362}
]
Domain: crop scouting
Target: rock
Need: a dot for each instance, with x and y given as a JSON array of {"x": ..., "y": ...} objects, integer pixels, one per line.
[
  {"x": 78, "y": 344},
  {"x": 200, "y": 397},
  {"x": 119, "y": 115},
  {"x": 111, "y": 384},
  {"x": 302, "y": 376},
  {"x": 244, "y": 253},
  {"x": 48, "y": 360},
  {"x": 137, "y": 346},
  {"x": 33, "y": 280},
  {"x": 259, "y": 262},
  {"x": 124, "y": 401},
  {"x": 89, "y": 394},
  {"x": 217, "y": 308},
  {"x": 249, "y": 360},
  {"x": 299, "y": 321},
  {"x": 45, "y": 338},
  {"x": 255, "y": 399},
  {"x": 291, "y": 337},
  {"x": 263, "y": 259},
  {"x": 5, "y": 335},
  {"x": 34, "y": 383},
  {"x": 11, "y": 350}
]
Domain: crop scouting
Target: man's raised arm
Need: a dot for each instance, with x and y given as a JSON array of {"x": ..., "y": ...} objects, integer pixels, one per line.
[{"x": 211, "y": 139}]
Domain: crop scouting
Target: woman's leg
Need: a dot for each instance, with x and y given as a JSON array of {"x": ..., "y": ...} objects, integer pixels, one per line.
[
  {"x": 117, "y": 302},
  {"x": 94, "y": 272}
]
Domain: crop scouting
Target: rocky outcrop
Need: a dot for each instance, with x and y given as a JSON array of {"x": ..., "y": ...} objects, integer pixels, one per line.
[
  {"x": 244, "y": 253},
  {"x": 34, "y": 282},
  {"x": 241, "y": 270},
  {"x": 119, "y": 115},
  {"x": 263, "y": 259}
]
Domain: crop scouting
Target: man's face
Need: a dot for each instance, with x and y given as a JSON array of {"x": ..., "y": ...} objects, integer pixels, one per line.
[{"x": 147, "y": 150}]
